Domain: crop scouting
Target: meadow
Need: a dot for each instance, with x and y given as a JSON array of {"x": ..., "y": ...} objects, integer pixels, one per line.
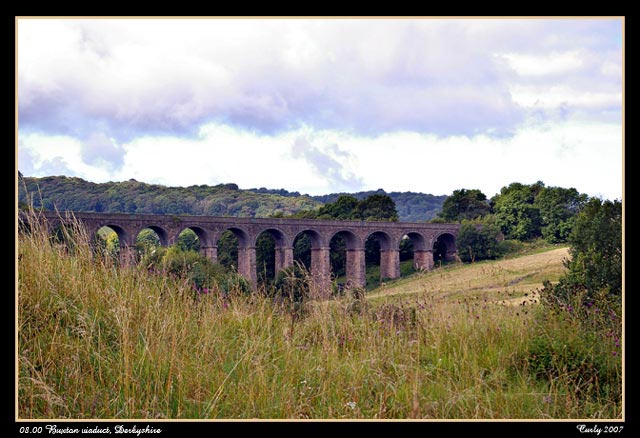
[{"x": 459, "y": 342}]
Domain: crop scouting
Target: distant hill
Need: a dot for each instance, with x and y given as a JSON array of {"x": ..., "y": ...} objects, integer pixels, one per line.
[{"x": 76, "y": 194}]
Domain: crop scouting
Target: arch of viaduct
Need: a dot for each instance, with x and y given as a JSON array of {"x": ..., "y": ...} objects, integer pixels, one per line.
[{"x": 284, "y": 231}]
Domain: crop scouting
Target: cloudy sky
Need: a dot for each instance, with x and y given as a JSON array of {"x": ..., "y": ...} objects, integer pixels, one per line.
[{"x": 324, "y": 105}]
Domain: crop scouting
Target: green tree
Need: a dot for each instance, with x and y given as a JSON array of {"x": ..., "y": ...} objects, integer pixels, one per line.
[
  {"x": 302, "y": 250},
  {"x": 345, "y": 208},
  {"x": 265, "y": 258},
  {"x": 465, "y": 204},
  {"x": 595, "y": 265},
  {"x": 377, "y": 208},
  {"x": 228, "y": 250},
  {"x": 558, "y": 208},
  {"x": 477, "y": 242},
  {"x": 516, "y": 213}
]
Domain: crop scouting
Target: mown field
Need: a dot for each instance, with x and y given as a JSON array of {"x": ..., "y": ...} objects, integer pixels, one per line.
[{"x": 96, "y": 341}]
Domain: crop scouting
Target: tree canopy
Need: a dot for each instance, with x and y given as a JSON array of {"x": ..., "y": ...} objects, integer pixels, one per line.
[
  {"x": 76, "y": 194},
  {"x": 465, "y": 204}
]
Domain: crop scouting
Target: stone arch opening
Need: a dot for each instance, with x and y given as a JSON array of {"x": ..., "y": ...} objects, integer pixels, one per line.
[
  {"x": 108, "y": 240},
  {"x": 347, "y": 261},
  {"x": 414, "y": 246},
  {"x": 444, "y": 248},
  {"x": 304, "y": 244},
  {"x": 147, "y": 241},
  {"x": 272, "y": 255},
  {"x": 381, "y": 258},
  {"x": 162, "y": 234},
  {"x": 228, "y": 243},
  {"x": 188, "y": 240}
]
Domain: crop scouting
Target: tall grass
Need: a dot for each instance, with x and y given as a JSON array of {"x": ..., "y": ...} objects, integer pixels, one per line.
[{"x": 98, "y": 341}]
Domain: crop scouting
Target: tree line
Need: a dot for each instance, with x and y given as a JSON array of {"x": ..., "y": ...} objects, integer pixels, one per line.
[
  {"x": 524, "y": 212},
  {"x": 76, "y": 194}
]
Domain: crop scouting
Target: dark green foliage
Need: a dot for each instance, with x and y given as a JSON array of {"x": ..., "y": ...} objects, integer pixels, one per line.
[
  {"x": 378, "y": 208},
  {"x": 588, "y": 300},
  {"x": 478, "y": 243},
  {"x": 464, "y": 204},
  {"x": 411, "y": 206},
  {"x": 374, "y": 208},
  {"x": 527, "y": 212},
  {"x": 372, "y": 251},
  {"x": 406, "y": 250},
  {"x": 338, "y": 256},
  {"x": 596, "y": 247},
  {"x": 228, "y": 250},
  {"x": 302, "y": 250},
  {"x": 558, "y": 207},
  {"x": 516, "y": 213},
  {"x": 595, "y": 265},
  {"x": 345, "y": 208},
  {"x": 265, "y": 258}
]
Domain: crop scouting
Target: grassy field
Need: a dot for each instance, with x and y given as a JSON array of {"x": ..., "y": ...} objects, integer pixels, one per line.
[
  {"x": 503, "y": 280},
  {"x": 96, "y": 341}
]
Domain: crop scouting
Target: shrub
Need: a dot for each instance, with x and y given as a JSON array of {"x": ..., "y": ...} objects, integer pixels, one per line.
[
  {"x": 595, "y": 266},
  {"x": 292, "y": 283},
  {"x": 476, "y": 243},
  {"x": 510, "y": 246}
]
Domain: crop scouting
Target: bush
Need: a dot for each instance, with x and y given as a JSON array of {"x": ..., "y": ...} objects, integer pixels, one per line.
[
  {"x": 476, "y": 243},
  {"x": 292, "y": 283},
  {"x": 595, "y": 266},
  {"x": 200, "y": 271},
  {"x": 510, "y": 246}
]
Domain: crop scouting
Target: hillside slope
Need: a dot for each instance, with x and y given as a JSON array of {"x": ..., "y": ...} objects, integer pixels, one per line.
[{"x": 497, "y": 281}]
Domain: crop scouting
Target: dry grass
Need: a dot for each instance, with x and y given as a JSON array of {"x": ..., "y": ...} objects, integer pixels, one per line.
[{"x": 498, "y": 280}]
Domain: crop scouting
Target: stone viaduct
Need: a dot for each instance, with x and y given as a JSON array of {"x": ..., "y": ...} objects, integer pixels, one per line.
[{"x": 284, "y": 231}]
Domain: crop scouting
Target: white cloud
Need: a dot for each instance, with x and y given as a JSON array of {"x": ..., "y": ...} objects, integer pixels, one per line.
[
  {"x": 549, "y": 64},
  {"x": 423, "y": 105},
  {"x": 585, "y": 156}
]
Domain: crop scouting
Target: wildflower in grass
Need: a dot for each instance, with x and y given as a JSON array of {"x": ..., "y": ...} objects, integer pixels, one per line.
[
  {"x": 351, "y": 404},
  {"x": 547, "y": 399}
]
